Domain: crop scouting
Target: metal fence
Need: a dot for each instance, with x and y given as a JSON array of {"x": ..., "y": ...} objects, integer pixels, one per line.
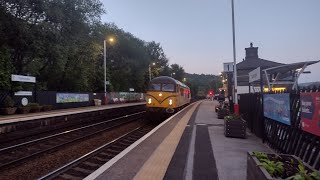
[
  {"x": 50, "y": 98},
  {"x": 281, "y": 137}
]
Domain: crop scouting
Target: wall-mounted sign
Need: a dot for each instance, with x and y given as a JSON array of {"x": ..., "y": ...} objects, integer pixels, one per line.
[
  {"x": 23, "y": 93},
  {"x": 20, "y": 78},
  {"x": 310, "y": 112},
  {"x": 277, "y": 107},
  {"x": 24, "y": 101},
  {"x": 254, "y": 75},
  {"x": 228, "y": 67},
  {"x": 71, "y": 97}
]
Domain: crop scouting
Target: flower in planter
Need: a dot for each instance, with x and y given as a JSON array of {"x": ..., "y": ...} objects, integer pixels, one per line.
[
  {"x": 273, "y": 168},
  {"x": 232, "y": 117},
  {"x": 279, "y": 167},
  {"x": 304, "y": 175}
]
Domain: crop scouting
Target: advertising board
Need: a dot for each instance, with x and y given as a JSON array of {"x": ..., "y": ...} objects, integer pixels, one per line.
[
  {"x": 71, "y": 97},
  {"x": 277, "y": 107},
  {"x": 310, "y": 112}
]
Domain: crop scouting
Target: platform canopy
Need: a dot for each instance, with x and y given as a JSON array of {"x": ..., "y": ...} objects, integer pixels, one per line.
[{"x": 287, "y": 74}]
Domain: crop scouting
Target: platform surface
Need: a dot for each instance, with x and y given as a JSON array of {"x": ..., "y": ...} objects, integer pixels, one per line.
[
  {"x": 61, "y": 112},
  {"x": 190, "y": 145}
]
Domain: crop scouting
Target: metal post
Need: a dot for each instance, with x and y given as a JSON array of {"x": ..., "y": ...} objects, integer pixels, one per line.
[
  {"x": 235, "y": 98},
  {"x": 105, "y": 70}
]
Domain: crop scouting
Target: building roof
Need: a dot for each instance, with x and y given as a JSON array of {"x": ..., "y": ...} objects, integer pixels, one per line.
[{"x": 253, "y": 63}]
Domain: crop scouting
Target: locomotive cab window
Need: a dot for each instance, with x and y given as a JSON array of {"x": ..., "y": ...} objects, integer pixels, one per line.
[
  {"x": 155, "y": 87},
  {"x": 168, "y": 87}
]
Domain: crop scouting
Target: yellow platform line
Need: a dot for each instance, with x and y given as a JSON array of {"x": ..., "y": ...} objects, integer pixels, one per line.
[{"x": 156, "y": 166}]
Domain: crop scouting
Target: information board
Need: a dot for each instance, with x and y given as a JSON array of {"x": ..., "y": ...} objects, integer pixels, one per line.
[
  {"x": 277, "y": 107},
  {"x": 310, "y": 112}
]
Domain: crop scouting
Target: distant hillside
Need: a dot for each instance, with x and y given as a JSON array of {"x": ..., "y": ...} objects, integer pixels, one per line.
[
  {"x": 201, "y": 84},
  {"x": 310, "y": 84}
]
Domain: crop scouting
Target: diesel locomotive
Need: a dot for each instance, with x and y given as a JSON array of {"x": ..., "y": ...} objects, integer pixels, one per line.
[{"x": 166, "y": 95}]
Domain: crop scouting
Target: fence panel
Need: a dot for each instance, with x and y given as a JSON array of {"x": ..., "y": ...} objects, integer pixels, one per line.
[
  {"x": 281, "y": 137},
  {"x": 292, "y": 139}
]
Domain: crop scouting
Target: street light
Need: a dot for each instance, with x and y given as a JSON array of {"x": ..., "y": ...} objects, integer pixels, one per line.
[
  {"x": 150, "y": 70},
  {"x": 111, "y": 40},
  {"x": 172, "y": 74},
  {"x": 235, "y": 97}
]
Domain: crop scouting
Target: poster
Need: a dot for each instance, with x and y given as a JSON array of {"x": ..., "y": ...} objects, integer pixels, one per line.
[
  {"x": 310, "y": 112},
  {"x": 277, "y": 107},
  {"x": 71, "y": 97}
]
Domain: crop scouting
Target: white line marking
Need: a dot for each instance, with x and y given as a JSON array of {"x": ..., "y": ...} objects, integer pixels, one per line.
[
  {"x": 201, "y": 124},
  {"x": 106, "y": 166},
  {"x": 188, "y": 171}
]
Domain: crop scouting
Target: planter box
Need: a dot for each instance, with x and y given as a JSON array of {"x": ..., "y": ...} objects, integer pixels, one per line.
[
  {"x": 222, "y": 113},
  {"x": 23, "y": 110},
  {"x": 35, "y": 109},
  {"x": 8, "y": 111},
  {"x": 47, "y": 107},
  {"x": 254, "y": 171},
  {"x": 235, "y": 128}
]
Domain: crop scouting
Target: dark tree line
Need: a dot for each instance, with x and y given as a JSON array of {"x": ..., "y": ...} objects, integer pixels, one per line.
[{"x": 61, "y": 44}]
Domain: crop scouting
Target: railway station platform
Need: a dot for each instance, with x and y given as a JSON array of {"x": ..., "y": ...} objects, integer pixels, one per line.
[
  {"x": 61, "y": 112},
  {"x": 189, "y": 145}
]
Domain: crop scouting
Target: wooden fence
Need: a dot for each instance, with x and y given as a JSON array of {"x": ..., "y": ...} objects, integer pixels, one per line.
[{"x": 281, "y": 137}]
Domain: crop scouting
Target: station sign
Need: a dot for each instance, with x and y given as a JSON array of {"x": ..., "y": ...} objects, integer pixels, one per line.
[
  {"x": 20, "y": 78},
  {"x": 254, "y": 75},
  {"x": 228, "y": 67},
  {"x": 23, "y": 93}
]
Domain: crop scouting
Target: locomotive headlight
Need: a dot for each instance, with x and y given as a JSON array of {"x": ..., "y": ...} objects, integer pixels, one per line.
[
  {"x": 149, "y": 101},
  {"x": 170, "y": 101}
]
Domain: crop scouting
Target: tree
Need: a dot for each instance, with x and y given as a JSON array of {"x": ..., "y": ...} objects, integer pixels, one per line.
[{"x": 177, "y": 72}]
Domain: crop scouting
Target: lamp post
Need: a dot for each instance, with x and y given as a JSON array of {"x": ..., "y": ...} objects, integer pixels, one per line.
[
  {"x": 150, "y": 70},
  {"x": 105, "y": 67},
  {"x": 235, "y": 97},
  {"x": 172, "y": 74}
]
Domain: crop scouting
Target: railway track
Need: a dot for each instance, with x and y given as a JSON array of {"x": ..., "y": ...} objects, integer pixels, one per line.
[
  {"x": 85, "y": 165},
  {"x": 19, "y": 153}
]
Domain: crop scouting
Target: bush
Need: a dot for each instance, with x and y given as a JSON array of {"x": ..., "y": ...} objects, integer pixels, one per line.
[
  {"x": 47, "y": 107},
  {"x": 33, "y": 105},
  {"x": 7, "y": 102}
]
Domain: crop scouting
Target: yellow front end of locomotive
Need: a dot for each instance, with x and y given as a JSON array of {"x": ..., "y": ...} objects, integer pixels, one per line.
[{"x": 162, "y": 100}]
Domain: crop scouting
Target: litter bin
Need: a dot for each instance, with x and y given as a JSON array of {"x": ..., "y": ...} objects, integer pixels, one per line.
[{"x": 97, "y": 102}]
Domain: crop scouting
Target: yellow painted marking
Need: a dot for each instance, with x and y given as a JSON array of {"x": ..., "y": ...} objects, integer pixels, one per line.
[{"x": 156, "y": 166}]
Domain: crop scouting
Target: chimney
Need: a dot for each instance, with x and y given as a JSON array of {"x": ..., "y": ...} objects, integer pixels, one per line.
[{"x": 251, "y": 52}]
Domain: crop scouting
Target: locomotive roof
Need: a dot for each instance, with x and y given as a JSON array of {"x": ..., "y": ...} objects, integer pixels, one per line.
[{"x": 167, "y": 79}]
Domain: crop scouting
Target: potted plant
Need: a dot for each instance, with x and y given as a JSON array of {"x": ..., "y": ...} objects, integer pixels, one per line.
[
  {"x": 265, "y": 166},
  {"x": 223, "y": 112},
  {"x": 235, "y": 126},
  {"x": 47, "y": 107},
  {"x": 8, "y": 106},
  {"x": 34, "y": 107}
]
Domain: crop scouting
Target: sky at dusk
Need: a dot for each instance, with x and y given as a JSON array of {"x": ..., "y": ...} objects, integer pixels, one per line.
[{"x": 197, "y": 34}]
